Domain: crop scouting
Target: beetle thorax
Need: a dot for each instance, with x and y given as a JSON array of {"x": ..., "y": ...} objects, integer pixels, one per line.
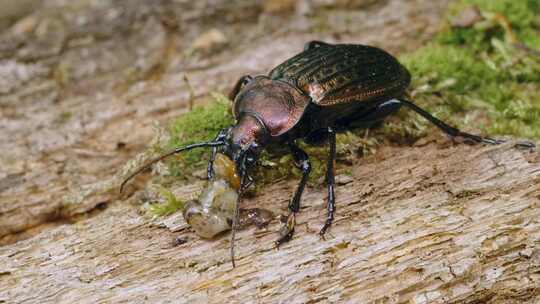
[{"x": 275, "y": 105}]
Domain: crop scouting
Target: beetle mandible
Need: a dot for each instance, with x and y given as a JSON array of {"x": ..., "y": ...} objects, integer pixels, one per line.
[{"x": 324, "y": 89}]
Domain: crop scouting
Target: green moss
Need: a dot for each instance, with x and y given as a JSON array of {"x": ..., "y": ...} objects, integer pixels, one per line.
[
  {"x": 170, "y": 206},
  {"x": 448, "y": 67},
  {"x": 480, "y": 68},
  {"x": 520, "y": 15}
]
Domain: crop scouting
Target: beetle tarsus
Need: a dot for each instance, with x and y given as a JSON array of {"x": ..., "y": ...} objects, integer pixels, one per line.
[
  {"x": 330, "y": 180},
  {"x": 287, "y": 231},
  {"x": 491, "y": 141},
  {"x": 301, "y": 161},
  {"x": 524, "y": 145}
]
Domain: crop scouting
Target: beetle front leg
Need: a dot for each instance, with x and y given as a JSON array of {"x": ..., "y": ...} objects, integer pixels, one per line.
[
  {"x": 301, "y": 161},
  {"x": 330, "y": 180},
  {"x": 238, "y": 86},
  {"x": 210, "y": 168}
]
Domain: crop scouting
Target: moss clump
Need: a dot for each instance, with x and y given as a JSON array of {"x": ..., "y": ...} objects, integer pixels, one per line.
[
  {"x": 484, "y": 67},
  {"x": 170, "y": 205},
  {"x": 520, "y": 15},
  {"x": 447, "y": 67}
]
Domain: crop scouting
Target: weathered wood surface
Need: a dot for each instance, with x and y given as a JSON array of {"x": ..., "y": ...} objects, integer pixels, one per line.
[
  {"x": 429, "y": 224},
  {"x": 425, "y": 224}
]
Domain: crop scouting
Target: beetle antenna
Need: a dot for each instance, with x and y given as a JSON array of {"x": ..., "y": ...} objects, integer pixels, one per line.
[
  {"x": 161, "y": 157},
  {"x": 243, "y": 185}
]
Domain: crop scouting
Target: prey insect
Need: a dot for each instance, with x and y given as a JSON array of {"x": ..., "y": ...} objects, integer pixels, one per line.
[{"x": 327, "y": 88}]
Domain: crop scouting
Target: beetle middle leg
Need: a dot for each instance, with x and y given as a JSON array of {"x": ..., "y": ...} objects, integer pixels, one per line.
[
  {"x": 330, "y": 180},
  {"x": 453, "y": 132},
  {"x": 301, "y": 161}
]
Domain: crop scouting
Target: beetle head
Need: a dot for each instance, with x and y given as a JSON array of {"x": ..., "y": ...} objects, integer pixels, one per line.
[{"x": 245, "y": 141}]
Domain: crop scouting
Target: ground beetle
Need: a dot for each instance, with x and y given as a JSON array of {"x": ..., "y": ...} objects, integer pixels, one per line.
[{"x": 311, "y": 96}]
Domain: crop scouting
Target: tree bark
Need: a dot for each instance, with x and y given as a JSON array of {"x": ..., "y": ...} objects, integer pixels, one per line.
[{"x": 430, "y": 224}]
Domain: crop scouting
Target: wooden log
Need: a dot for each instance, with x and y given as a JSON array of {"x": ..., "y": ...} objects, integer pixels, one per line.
[{"x": 429, "y": 224}]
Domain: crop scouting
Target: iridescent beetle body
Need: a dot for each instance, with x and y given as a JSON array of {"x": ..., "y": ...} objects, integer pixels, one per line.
[
  {"x": 321, "y": 86},
  {"x": 324, "y": 89},
  {"x": 337, "y": 74}
]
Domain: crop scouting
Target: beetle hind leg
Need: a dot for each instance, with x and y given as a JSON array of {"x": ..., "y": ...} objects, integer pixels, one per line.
[
  {"x": 366, "y": 119},
  {"x": 301, "y": 160},
  {"x": 330, "y": 181},
  {"x": 451, "y": 131}
]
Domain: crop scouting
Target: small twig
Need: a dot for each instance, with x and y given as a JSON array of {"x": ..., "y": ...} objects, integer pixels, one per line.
[
  {"x": 511, "y": 37},
  {"x": 191, "y": 100}
]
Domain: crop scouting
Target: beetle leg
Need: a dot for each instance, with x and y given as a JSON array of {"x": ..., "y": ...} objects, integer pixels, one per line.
[
  {"x": 210, "y": 168},
  {"x": 330, "y": 180},
  {"x": 453, "y": 132},
  {"x": 366, "y": 119},
  {"x": 313, "y": 44},
  {"x": 382, "y": 111},
  {"x": 238, "y": 86},
  {"x": 301, "y": 161}
]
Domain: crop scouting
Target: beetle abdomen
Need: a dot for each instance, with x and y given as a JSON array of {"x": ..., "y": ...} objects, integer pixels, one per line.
[{"x": 343, "y": 73}]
